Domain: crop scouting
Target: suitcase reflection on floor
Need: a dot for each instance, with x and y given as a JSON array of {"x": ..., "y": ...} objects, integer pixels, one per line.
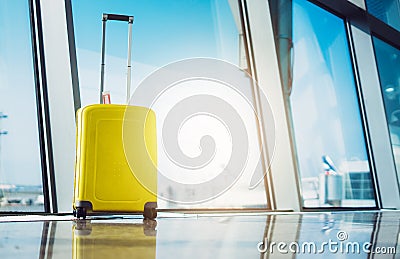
[{"x": 93, "y": 239}]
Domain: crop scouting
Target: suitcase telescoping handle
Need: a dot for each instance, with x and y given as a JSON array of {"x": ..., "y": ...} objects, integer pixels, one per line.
[{"x": 124, "y": 18}]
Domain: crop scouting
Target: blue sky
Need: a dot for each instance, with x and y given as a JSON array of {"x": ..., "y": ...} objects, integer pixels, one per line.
[{"x": 164, "y": 31}]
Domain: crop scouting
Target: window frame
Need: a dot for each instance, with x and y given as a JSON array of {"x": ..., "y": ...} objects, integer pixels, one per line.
[
  {"x": 43, "y": 111},
  {"x": 244, "y": 22},
  {"x": 336, "y": 8},
  {"x": 355, "y": 16}
]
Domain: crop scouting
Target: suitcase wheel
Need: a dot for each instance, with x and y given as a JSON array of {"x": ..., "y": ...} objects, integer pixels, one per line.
[
  {"x": 80, "y": 212},
  {"x": 81, "y": 209},
  {"x": 150, "y": 210}
]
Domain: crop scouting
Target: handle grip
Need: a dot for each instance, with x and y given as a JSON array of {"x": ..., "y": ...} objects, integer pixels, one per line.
[{"x": 117, "y": 17}]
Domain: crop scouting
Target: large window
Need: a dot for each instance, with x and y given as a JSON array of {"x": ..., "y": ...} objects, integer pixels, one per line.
[
  {"x": 165, "y": 32},
  {"x": 330, "y": 141},
  {"x": 388, "y": 61},
  {"x": 20, "y": 162}
]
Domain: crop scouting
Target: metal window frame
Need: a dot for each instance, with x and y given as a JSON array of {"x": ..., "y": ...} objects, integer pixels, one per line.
[
  {"x": 248, "y": 45},
  {"x": 72, "y": 54},
  {"x": 43, "y": 112},
  {"x": 281, "y": 170},
  {"x": 364, "y": 119},
  {"x": 62, "y": 98}
]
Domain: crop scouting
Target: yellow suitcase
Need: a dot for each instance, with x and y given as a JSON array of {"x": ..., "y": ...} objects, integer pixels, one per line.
[
  {"x": 116, "y": 160},
  {"x": 116, "y": 151}
]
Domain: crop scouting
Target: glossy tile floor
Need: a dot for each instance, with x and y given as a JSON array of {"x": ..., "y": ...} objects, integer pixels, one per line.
[{"x": 173, "y": 235}]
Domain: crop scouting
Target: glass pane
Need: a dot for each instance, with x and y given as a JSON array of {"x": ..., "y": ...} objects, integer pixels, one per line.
[
  {"x": 388, "y": 61},
  {"x": 387, "y": 11},
  {"x": 20, "y": 166},
  {"x": 331, "y": 150},
  {"x": 165, "y": 32}
]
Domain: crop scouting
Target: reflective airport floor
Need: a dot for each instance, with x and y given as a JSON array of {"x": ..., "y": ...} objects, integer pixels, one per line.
[{"x": 174, "y": 235}]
